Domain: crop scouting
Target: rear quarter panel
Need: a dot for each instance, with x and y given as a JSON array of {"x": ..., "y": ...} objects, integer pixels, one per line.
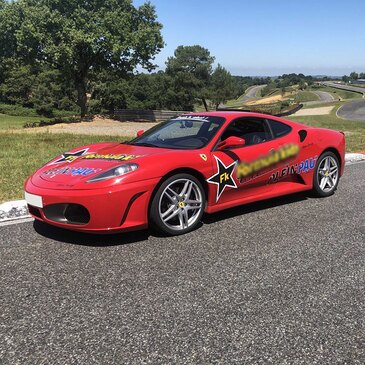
[{"x": 327, "y": 139}]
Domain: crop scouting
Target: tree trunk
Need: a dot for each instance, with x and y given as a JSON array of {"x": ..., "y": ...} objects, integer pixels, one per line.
[
  {"x": 205, "y": 104},
  {"x": 81, "y": 95}
]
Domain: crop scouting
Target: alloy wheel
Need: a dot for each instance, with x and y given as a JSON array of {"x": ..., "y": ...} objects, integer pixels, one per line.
[
  {"x": 327, "y": 174},
  {"x": 180, "y": 204}
]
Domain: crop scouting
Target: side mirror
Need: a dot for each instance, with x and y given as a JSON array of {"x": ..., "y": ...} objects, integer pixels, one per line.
[
  {"x": 231, "y": 142},
  {"x": 140, "y": 132}
]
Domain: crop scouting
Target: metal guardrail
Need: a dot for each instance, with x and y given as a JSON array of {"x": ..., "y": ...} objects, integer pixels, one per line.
[{"x": 138, "y": 115}]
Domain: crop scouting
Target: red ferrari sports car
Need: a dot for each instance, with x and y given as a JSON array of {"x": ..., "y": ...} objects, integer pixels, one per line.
[{"x": 168, "y": 176}]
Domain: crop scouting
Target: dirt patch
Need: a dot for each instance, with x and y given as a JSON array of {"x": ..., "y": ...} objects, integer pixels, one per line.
[
  {"x": 324, "y": 110},
  {"x": 271, "y": 99},
  {"x": 98, "y": 126}
]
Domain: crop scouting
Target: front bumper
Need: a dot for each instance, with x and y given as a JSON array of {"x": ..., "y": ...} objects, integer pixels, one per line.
[{"x": 113, "y": 209}]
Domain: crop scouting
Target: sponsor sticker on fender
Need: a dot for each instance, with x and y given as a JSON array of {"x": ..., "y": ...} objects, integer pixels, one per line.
[
  {"x": 69, "y": 156},
  {"x": 111, "y": 157},
  {"x": 223, "y": 178},
  {"x": 298, "y": 168},
  {"x": 245, "y": 171},
  {"x": 275, "y": 156},
  {"x": 83, "y": 171}
]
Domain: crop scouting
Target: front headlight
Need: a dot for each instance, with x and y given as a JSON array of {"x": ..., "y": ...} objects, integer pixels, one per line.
[{"x": 115, "y": 172}]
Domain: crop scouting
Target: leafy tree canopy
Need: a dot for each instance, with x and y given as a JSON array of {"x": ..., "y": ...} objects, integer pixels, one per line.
[
  {"x": 191, "y": 68},
  {"x": 78, "y": 36}
]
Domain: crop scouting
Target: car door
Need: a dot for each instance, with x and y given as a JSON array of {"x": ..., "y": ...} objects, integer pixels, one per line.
[{"x": 245, "y": 171}]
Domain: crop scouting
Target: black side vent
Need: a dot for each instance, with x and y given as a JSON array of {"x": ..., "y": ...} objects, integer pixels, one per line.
[{"x": 302, "y": 135}]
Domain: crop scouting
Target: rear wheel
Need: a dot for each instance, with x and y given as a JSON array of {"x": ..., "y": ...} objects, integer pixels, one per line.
[
  {"x": 326, "y": 175},
  {"x": 178, "y": 205}
]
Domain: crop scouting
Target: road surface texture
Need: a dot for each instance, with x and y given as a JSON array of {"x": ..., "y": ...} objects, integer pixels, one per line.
[
  {"x": 353, "y": 110},
  {"x": 277, "y": 282},
  {"x": 251, "y": 92},
  {"x": 345, "y": 87},
  {"x": 324, "y": 96}
]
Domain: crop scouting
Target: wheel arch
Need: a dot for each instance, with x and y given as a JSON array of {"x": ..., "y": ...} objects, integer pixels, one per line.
[
  {"x": 337, "y": 154},
  {"x": 182, "y": 170}
]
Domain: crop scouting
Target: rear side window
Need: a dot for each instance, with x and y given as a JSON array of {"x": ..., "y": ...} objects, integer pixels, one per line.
[{"x": 279, "y": 129}]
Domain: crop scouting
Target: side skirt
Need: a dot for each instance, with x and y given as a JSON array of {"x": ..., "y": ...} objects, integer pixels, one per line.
[{"x": 280, "y": 190}]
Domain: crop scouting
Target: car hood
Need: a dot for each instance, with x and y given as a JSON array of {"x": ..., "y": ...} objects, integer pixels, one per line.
[{"x": 74, "y": 168}]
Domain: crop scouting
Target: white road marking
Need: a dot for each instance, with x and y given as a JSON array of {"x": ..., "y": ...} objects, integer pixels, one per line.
[{"x": 16, "y": 221}]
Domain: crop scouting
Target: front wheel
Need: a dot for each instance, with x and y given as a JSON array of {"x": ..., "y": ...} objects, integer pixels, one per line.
[
  {"x": 326, "y": 175},
  {"x": 178, "y": 205}
]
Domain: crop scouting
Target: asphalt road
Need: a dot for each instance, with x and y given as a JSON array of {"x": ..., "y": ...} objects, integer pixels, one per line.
[
  {"x": 353, "y": 110},
  {"x": 251, "y": 92},
  {"x": 324, "y": 96},
  {"x": 277, "y": 282},
  {"x": 345, "y": 87}
]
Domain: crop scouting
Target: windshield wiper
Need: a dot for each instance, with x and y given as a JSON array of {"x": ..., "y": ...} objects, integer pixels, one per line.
[{"x": 144, "y": 144}]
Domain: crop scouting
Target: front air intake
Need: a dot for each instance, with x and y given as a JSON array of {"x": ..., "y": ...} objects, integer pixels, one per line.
[
  {"x": 76, "y": 213},
  {"x": 67, "y": 213}
]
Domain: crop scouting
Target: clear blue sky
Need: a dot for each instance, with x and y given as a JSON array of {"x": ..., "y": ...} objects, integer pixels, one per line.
[{"x": 268, "y": 37}]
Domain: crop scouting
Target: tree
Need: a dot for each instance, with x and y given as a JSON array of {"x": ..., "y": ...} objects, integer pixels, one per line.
[
  {"x": 191, "y": 67},
  {"x": 302, "y": 85},
  {"x": 221, "y": 86},
  {"x": 80, "y": 36},
  {"x": 17, "y": 85},
  {"x": 354, "y": 76},
  {"x": 51, "y": 91},
  {"x": 345, "y": 78}
]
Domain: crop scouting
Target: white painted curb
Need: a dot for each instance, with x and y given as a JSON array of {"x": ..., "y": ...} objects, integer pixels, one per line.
[
  {"x": 354, "y": 157},
  {"x": 17, "y": 209},
  {"x": 13, "y": 210}
]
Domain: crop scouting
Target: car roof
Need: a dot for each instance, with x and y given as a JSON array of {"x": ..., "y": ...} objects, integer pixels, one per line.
[{"x": 229, "y": 115}]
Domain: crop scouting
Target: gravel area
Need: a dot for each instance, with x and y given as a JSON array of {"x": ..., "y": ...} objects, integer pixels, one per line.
[
  {"x": 324, "y": 110},
  {"x": 99, "y": 126}
]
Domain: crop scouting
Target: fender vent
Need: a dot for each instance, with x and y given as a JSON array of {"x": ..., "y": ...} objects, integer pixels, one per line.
[{"x": 302, "y": 135}]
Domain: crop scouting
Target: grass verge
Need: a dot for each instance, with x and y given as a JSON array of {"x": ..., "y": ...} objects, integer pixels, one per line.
[
  {"x": 15, "y": 121},
  {"x": 354, "y": 131},
  {"x": 336, "y": 93},
  {"x": 303, "y": 96},
  {"x": 21, "y": 154}
]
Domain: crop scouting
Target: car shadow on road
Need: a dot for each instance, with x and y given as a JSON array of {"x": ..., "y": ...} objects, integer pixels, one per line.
[
  {"x": 88, "y": 239},
  {"x": 100, "y": 240},
  {"x": 254, "y": 207}
]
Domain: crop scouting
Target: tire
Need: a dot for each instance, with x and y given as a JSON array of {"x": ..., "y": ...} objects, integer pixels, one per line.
[
  {"x": 326, "y": 175},
  {"x": 178, "y": 205}
]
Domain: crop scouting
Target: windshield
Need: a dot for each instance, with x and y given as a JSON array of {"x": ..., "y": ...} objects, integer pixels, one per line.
[{"x": 185, "y": 132}]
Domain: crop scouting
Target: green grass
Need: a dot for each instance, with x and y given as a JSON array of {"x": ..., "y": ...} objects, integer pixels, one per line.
[
  {"x": 354, "y": 131},
  {"x": 313, "y": 106},
  {"x": 12, "y": 121},
  {"x": 22, "y": 153},
  {"x": 343, "y": 94},
  {"x": 304, "y": 96},
  {"x": 358, "y": 85}
]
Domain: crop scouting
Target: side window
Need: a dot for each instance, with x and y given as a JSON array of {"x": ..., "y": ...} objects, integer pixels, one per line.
[
  {"x": 252, "y": 130},
  {"x": 279, "y": 129}
]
